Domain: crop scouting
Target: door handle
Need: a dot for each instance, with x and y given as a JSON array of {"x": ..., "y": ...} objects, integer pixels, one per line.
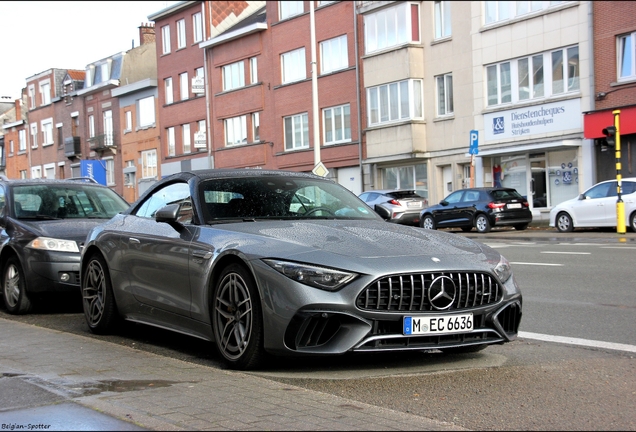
[
  {"x": 133, "y": 240},
  {"x": 202, "y": 254}
]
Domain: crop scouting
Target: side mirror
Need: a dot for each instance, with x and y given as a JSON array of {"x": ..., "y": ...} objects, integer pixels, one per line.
[
  {"x": 169, "y": 215},
  {"x": 582, "y": 196},
  {"x": 444, "y": 202}
]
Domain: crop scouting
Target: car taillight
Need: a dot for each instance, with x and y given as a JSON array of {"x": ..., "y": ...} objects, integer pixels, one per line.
[
  {"x": 526, "y": 204},
  {"x": 493, "y": 205},
  {"x": 394, "y": 202}
]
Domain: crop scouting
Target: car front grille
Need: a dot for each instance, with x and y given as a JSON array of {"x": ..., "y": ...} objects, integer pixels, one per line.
[{"x": 410, "y": 292}]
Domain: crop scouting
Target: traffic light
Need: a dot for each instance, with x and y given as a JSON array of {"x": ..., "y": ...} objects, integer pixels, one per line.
[{"x": 610, "y": 135}]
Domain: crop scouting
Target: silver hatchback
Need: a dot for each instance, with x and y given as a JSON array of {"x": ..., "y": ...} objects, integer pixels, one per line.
[{"x": 402, "y": 206}]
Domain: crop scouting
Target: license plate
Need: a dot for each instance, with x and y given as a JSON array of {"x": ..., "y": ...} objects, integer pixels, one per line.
[
  {"x": 414, "y": 204},
  {"x": 460, "y": 323},
  {"x": 517, "y": 205}
]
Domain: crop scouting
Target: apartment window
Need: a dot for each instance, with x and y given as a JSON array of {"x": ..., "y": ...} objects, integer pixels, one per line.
[
  {"x": 91, "y": 126},
  {"x": 147, "y": 112},
  {"x": 165, "y": 39},
  {"x": 105, "y": 71},
  {"x": 49, "y": 171},
  {"x": 21, "y": 140},
  {"x": 11, "y": 146},
  {"x": 36, "y": 172},
  {"x": 444, "y": 94},
  {"x": 34, "y": 135},
  {"x": 198, "y": 72},
  {"x": 256, "y": 126},
  {"x": 336, "y": 124},
  {"x": 149, "y": 164},
  {"x": 499, "y": 84},
  {"x": 109, "y": 164},
  {"x": 296, "y": 131},
  {"x": 197, "y": 27},
  {"x": 171, "y": 142},
  {"x": 187, "y": 138},
  {"x": 565, "y": 74},
  {"x": 233, "y": 76},
  {"x": 23, "y": 174},
  {"x": 128, "y": 121},
  {"x": 236, "y": 130},
  {"x": 395, "y": 101},
  {"x": 293, "y": 66},
  {"x": 288, "y": 9},
  {"x": 184, "y": 86},
  {"x": 31, "y": 96},
  {"x": 88, "y": 81},
  {"x": 626, "y": 56},
  {"x": 45, "y": 91},
  {"x": 530, "y": 75},
  {"x": 60, "y": 136},
  {"x": 391, "y": 27},
  {"x": 108, "y": 128},
  {"x": 181, "y": 34},
  {"x": 253, "y": 70},
  {"x": 496, "y": 11},
  {"x": 333, "y": 54},
  {"x": 169, "y": 90},
  {"x": 47, "y": 132},
  {"x": 538, "y": 76},
  {"x": 442, "y": 19}
]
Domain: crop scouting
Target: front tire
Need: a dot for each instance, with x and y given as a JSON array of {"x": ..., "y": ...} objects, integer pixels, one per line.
[
  {"x": 14, "y": 292},
  {"x": 428, "y": 222},
  {"x": 482, "y": 224},
  {"x": 237, "y": 320},
  {"x": 98, "y": 300},
  {"x": 564, "y": 223}
]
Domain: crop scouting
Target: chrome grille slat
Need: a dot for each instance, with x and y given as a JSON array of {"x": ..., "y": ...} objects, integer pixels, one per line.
[{"x": 473, "y": 289}]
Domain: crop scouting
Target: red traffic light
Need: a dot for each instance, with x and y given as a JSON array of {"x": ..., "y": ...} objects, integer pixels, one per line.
[{"x": 610, "y": 135}]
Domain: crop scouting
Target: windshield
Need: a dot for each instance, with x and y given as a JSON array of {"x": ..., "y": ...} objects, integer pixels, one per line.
[
  {"x": 48, "y": 201},
  {"x": 279, "y": 198}
]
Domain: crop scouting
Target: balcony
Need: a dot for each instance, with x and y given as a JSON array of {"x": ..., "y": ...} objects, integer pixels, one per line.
[
  {"x": 72, "y": 146},
  {"x": 102, "y": 143}
]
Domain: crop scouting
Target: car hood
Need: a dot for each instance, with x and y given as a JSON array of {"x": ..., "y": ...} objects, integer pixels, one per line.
[
  {"x": 369, "y": 243},
  {"x": 75, "y": 229}
]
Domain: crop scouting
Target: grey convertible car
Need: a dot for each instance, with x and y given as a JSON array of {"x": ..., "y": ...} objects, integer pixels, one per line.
[{"x": 236, "y": 257}]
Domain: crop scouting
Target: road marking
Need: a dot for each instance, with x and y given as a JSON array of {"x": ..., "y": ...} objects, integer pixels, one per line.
[
  {"x": 567, "y": 253},
  {"x": 577, "y": 341},
  {"x": 617, "y": 247},
  {"x": 536, "y": 264}
]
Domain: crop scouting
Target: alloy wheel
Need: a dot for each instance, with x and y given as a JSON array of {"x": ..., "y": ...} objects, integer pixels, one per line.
[
  {"x": 12, "y": 286},
  {"x": 234, "y": 316},
  {"x": 93, "y": 292}
]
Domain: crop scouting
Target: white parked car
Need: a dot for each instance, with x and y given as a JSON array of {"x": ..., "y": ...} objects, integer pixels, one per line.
[{"x": 596, "y": 207}]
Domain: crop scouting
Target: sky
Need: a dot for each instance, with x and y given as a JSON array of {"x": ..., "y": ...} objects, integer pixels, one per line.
[{"x": 42, "y": 35}]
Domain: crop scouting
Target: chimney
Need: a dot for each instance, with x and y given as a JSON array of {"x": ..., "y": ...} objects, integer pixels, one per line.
[
  {"x": 18, "y": 109},
  {"x": 146, "y": 33}
]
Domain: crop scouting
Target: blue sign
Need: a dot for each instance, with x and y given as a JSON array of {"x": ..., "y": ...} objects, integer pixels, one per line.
[
  {"x": 474, "y": 141},
  {"x": 93, "y": 169},
  {"x": 498, "y": 125}
]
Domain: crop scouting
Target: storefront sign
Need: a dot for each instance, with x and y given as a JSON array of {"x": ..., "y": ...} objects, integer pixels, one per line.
[{"x": 533, "y": 120}]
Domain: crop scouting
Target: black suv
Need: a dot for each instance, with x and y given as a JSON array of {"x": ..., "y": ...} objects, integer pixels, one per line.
[
  {"x": 43, "y": 226},
  {"x": 482, "y": 208}
]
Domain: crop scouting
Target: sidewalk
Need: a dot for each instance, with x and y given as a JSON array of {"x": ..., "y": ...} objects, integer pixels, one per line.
[{"x": 148, "y": 391}]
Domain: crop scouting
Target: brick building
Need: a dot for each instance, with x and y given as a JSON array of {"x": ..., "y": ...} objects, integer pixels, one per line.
[{"x": 614, "y": 85}]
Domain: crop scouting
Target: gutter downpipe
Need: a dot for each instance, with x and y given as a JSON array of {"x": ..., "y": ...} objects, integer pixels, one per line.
[
  {"x": 590, "y": 32},
  {"x": 355, "y": 37},
  {"x": 208, "y": 131}
]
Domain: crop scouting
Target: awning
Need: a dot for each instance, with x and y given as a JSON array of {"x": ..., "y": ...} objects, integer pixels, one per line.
[{"x": 595, "y": 121}]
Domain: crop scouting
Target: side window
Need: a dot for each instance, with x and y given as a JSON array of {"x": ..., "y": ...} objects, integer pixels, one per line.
[
  {"x": 628, "y": 187},
  {"x": 175, "y": 193},
  {"x": 455, "y": 197},
  {"x": 364, "y": 197},
  {"x": 600, "y": 191}
]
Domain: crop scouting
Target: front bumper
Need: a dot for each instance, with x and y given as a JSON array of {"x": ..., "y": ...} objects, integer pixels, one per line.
[{"x": 52, "y": 272}]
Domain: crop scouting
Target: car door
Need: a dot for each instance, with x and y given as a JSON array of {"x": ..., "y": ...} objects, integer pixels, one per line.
[
  {"x": 467, "y": 207},
  {"x": 598, "y": 207},
  {"x": 447, "y": 213},
  {"x": 156, "y": 255}
]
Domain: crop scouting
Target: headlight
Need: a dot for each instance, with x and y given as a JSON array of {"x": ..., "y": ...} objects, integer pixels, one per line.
[
  {"x": 503, "y": 270},
  {"x": 317, "y": 277},
  {"x": 52, "y": 244}
]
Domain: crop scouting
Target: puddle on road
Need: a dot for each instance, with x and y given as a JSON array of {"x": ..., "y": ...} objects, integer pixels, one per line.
[{"x": 120, "y": 386}]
